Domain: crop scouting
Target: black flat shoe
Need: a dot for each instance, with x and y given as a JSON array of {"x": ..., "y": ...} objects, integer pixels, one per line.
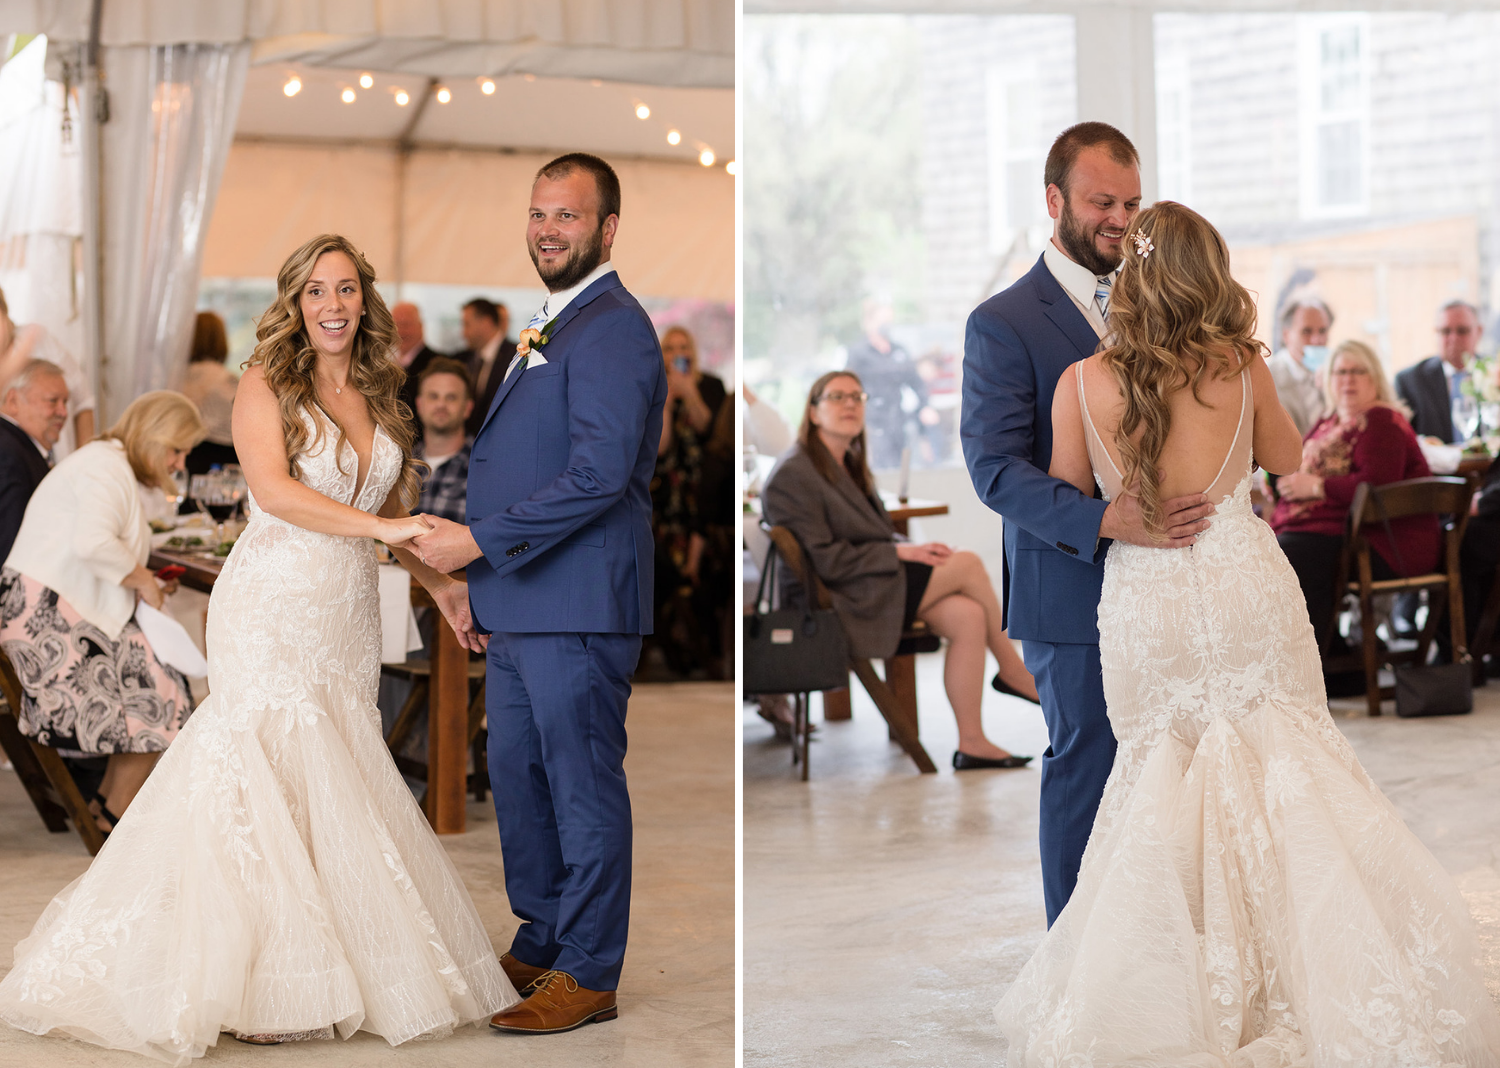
[
  {"x": 105, "y": 814},
  {"x": 965, "y": 762},
  {"x": 997, "y": 683}
]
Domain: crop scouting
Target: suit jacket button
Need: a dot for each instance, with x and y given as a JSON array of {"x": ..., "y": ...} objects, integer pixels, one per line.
[{"x": 1067, "y": 549}]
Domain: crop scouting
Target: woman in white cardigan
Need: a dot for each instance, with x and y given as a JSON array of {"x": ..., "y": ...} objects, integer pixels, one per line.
[{"x": 68, "y": 594}]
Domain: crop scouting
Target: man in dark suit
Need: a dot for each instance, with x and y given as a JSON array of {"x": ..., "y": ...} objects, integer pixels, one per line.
[
  {"x": 413, "y": 355},
  {"x": 1016, "y": 346},
  {"x": 33, "y": 412},
  {"x": 559, "y": 555},
  {"x": 485, "y": 326},
  {"x": 1430, "y": 387}
]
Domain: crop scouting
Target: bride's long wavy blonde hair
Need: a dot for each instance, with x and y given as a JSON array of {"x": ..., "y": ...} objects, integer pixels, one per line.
[
  {"x": 285, "y": 351},
  {"x": 1176, "y": 319}
]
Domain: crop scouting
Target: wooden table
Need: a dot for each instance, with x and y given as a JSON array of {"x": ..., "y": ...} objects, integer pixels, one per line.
[{"x": 448, "y": 703}]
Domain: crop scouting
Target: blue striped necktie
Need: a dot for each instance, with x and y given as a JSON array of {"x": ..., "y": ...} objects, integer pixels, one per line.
[{"x": 1101, "y": 293}]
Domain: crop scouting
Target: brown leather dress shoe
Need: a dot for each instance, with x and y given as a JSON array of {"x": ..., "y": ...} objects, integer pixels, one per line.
[
  {"x": 520, "y": 974},
  {"x": 557, "y": 1004}
]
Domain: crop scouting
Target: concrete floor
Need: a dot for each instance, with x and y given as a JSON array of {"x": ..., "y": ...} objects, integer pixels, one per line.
[
  {"x": 677, "y": 995},
  {"x": 886, "y": 911}
]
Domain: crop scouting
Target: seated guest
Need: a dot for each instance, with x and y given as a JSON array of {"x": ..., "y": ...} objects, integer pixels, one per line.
[
  {"x": 823, "y": 492},
  {"x": 210, "y": 385},
  {"x": 33, "y": 411},
  {"x": 1430, "y": 387},
  {"x": 1304, "y": 351},
  {"x": 485, "y": 324},
  {"x": 1366, "y": 439},
  {"x": 412, "y": 353},
  {"x": 445, "y": 400},
  {"x": 68, "y": 593},
  {"x": 21, "y": 344}
]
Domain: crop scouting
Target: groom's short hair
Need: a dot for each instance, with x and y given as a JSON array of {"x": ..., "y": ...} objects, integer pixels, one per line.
[
  {"x": 605, "y": 179},
  {"x": 1076, "y": 138}
]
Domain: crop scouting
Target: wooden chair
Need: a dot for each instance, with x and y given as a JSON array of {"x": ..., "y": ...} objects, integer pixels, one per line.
[
  {"x": 895, "y": 695},
  {"x": 48, "y": 782},
  {"x": 1445, "y": 497},
  {"x": 419, "y": 672}
]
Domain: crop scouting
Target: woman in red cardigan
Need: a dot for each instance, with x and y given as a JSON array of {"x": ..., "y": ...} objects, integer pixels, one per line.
[{"x": 1366, "y": 439}]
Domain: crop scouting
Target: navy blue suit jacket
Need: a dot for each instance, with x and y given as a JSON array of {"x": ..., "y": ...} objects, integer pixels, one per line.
[
  {"x": 1424, "y": 388},
  {"x": 1017, "y": 345},
  {"x": 559, "y": 477}
]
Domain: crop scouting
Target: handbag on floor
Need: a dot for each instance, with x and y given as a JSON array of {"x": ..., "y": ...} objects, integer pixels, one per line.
[
  {"x": 1430, "y": 689},
  {"x": 791, "y": 651}
]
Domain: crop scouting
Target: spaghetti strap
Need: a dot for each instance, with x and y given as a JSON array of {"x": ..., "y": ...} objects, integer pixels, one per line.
[{"x": 1095, "y": 443}]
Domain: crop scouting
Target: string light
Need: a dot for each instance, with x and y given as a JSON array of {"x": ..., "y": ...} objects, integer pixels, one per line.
[
  {"x": 366, "y": 81},
  {"x": 706, "y": 157},
  {"x": 642, "y": 112},
  {"x": 529, "y": 77},
  {"x": 402, "y": 99},
  {"x": 732, "y": 167},
  {"x": 347, "y": 96},
  {"x": 293, "y": 86},
  {"x": 443, "y": 96},
  {"x": 673, "y": 137},
  {"x": 487, "y": 87}
]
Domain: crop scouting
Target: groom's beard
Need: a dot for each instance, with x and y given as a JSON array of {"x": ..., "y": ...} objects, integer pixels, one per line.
[
  {"x": 574, "y": 269},
  {"x": 1078, "y": 242}
]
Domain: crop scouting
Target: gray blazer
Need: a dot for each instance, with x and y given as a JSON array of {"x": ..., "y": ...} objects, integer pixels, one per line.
[{"x": 851, "y": 545}]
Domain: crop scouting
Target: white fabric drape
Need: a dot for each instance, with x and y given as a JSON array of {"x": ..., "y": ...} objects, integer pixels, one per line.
[
  {"x": 172, "y": 118},
  {"x": 661, "y": 42},
  {"x": 40, "y": 199}
]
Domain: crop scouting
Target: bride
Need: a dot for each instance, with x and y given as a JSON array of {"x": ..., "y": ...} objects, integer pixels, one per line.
[
  {"x": 1248, "y": 898},
  {"x": 274, "y": 878}
]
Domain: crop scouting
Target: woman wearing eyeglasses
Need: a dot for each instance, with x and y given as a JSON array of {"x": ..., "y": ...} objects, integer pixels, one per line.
[
  {"x": 1366, "y": 439},
  {"x": 822, "y": 491}
]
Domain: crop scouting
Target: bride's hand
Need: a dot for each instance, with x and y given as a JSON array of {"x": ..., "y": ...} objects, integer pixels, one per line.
[
  {"x": 398, "y": 533},
  {"x": 453, "y": 601}
]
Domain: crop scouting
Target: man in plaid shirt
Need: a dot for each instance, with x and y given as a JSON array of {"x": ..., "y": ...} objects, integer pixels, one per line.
[{"x": 445, "y": 397}]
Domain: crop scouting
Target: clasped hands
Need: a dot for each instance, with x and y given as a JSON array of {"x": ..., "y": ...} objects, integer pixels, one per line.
[{"x": 444, "y": 546}]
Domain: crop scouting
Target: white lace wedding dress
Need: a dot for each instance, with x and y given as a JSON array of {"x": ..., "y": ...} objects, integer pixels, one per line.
[
  {"x": 274, "y": 875},
  {"x": 1247, "y": 897}
]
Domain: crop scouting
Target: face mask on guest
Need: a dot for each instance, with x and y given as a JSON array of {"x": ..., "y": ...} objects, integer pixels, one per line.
[{"x": 1314, "y": 356}]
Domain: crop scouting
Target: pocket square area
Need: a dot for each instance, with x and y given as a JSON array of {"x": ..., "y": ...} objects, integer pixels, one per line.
[{"x": 535, "y": 359}]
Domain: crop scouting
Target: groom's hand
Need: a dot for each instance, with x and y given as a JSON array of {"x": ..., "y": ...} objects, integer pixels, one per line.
[
  {"x": 1186, "y": 519},
  {"x": 447, "y": 547}
]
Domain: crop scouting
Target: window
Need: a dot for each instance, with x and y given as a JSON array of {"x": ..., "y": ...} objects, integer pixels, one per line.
[
  {"x": 1334, "y": 114},
  {"x": 1174, "y": 171},
  {"x": 1017, "y": 153}
]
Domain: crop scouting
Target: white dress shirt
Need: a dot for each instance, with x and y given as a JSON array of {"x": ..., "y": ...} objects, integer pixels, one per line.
[
  {"x": 1078, "y": 282},
  {"x": 557, "y": 302},
  {"x": 1298, "y": 389}
]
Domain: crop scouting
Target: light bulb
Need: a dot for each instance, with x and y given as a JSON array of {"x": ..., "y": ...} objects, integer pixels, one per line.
[
  {"x": 529, "y": 77},
  {"x": 732, "y": 167},
  {"x": 401, "y": 98},
  {"x": 347, "y": 96},
  {"x": 487, "y": 87},
  {"x": 642, "y": 111},
  {"x": 443, "y": 96},
  {"x": 293, "y": 86},
  {"x": 366, "y": 81},
  {"x": 673, "y": 137},
  {"x": 706, "y": 157}
]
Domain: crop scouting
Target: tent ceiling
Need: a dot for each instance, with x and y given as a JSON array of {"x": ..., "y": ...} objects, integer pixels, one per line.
[
  {"x": 522, "y": 113},
  {"x": 660, "y": 42}
]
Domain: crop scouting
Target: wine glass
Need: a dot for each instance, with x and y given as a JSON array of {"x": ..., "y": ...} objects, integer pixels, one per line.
[{"x": 1465, "y": 417}]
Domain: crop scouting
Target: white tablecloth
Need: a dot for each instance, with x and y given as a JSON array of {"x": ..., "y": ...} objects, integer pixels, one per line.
[{"x": 398, "y": 624}]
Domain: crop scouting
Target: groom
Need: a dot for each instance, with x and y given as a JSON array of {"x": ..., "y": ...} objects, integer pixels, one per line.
[
  {"x": 559, "y": 557},
  {"x": 1016, "y": 346}
]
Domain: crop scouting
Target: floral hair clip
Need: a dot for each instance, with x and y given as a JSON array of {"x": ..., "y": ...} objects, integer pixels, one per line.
[{"x": 1143, "y": 245}]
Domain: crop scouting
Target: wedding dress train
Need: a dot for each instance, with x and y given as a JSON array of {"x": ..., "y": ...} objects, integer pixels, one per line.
[
  {"x": 274, "y": 875},
  {"x": 1248, "y": 898}
]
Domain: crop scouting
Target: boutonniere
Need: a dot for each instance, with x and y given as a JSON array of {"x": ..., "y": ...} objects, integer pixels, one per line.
[{"x": 533, "y": 339}]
